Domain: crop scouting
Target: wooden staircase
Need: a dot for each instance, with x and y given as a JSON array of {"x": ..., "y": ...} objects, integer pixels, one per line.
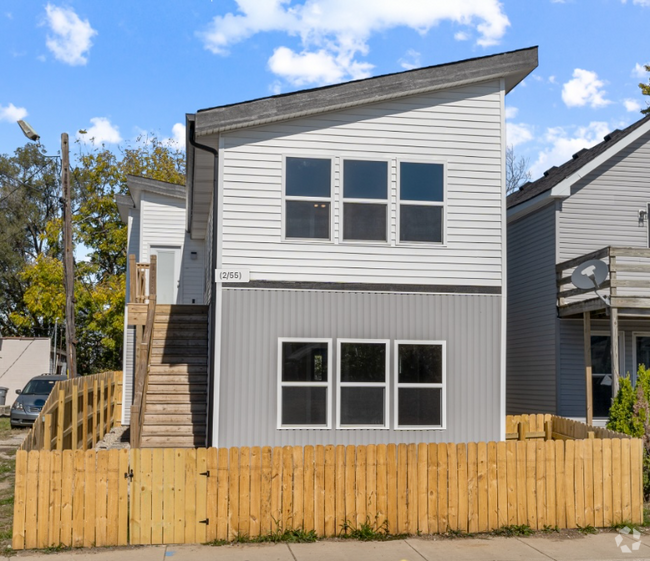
[{"x": 175, "y": 413}]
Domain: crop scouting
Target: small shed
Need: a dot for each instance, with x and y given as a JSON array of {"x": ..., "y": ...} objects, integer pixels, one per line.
[{"x": 22, "y": 358}]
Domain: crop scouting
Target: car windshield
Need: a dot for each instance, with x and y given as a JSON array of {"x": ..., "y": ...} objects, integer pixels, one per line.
[{"x": 39, "y": 387}]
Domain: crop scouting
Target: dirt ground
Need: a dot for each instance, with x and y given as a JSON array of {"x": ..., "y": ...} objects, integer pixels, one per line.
[{"x": 10, "y": 440}]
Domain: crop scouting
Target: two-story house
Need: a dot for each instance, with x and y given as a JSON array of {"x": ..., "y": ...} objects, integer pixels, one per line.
[
  {"x": 354, "y": 247},
  {"x": 561, "y": 356}
]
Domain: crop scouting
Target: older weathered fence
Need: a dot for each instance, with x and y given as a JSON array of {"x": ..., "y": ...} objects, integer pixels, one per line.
[
  {"x": 78, "y": 413},
  {"x": 198, "y": 495}
]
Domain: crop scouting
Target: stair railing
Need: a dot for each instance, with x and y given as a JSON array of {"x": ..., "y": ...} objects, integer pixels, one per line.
[{"x": 144, "y": 339}]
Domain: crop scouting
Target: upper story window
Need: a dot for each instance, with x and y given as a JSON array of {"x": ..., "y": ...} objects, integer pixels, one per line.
[
  {"x": 421, "y": 202},
  {"x": 365, "y": 200},
  {"x": 308, "y": 198}
]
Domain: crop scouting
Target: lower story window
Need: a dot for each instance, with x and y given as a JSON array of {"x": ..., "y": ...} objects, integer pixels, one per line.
[
  {"x": 420, "y": 384},
  {"x": 304, "y": 392},
  {"x": 363, "y": 383}
]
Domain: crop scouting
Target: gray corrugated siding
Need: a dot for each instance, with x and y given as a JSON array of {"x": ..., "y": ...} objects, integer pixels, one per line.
[
  {"x": 253, "y": 321},
  {"x": 532, "y": 316},
  {"x": 572, "y": 379}
]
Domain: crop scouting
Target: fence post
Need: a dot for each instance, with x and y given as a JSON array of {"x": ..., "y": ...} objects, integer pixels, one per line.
[
  {"x": 75, "y": 414},
  {"x": 60, "y": 423},
  {"x": 47, "y": 432},
  {"x": 84, "y": 428},
  {"x": 94, "y": 435},
  {"x": 548, "y": 430},
  {"x": 521, "y": 428}
]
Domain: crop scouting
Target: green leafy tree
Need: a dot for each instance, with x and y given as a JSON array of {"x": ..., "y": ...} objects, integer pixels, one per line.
[
  {"x": 98, "y": 176},
  {"x": 645, "y": 90}
]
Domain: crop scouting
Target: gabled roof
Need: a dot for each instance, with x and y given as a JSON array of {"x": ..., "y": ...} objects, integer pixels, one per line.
[
  {"x": 513, "y": 66},
  {"x": 559, "y": 178},
  {"x": 137, "y": 185}
]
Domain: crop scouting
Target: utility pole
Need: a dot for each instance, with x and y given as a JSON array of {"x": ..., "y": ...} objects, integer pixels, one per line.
[{"x": 68, "y": 259}]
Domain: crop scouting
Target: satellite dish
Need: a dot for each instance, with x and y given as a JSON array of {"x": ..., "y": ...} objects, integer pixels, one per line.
[{"x": 590, "y": 275}]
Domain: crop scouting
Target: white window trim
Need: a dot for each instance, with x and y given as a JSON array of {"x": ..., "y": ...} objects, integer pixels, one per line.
[
  {"x": 442, "y": 386},
  {"x": 443, "y": 203},
  {"x": 636, "y": 334},
  {"x": 387, "y": 201},
  {"x": 340, "y": 384},
  {"x": 328, "y": 384},
  {"x": 286, "y": 198}
]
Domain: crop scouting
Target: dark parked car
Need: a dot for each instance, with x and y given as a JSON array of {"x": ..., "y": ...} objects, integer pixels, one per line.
[{"x": 31, "y": 399}]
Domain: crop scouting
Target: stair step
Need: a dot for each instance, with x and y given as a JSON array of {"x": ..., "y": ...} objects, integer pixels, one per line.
[
  {"x": 175, "y": 419},
  {"x": 179, "y": 332},
  {"x": 194, "y": 408},
  {"x": 172, "y": 441},
  {"x": 184, "y": 398},
  {"x": 179, "y": 351},
  {"x": 173, "y": 430},
  {"x": 178, "y": 389},
  {"x": 197, "y": 369},
  {"x": 158, "y": 379},
  {"x": 181, "y": 318},
  {"x": 181, "y": 308},
  {"x": 173, "y": 343},
  {"x": 160, "y": 360}
]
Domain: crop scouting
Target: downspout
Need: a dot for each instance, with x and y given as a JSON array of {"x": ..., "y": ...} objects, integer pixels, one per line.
[{"x": 213, "y": 289}]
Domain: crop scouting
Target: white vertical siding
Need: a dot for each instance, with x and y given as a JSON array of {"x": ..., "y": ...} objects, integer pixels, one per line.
[
  {"x": 461, "y": 127},
  {"x": 603, "y": 208}
]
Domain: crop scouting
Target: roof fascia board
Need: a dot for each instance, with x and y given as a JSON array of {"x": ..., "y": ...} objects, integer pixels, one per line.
[
  {"x": 531, "y": 205},
  {"x": 124, "y": 205},
  {"x": 190, "y": 159},
  {"x": 563, "y": 188},
  {"x": 513, "y": 67},
  {"x": 138, "y": 185}
]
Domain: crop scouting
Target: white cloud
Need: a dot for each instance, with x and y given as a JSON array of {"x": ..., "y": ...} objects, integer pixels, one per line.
[
  {"x": 563, "y": 143},
  {"x": 334, "y": 32},
  {"x": 640, "y": 2},
  {"x": 461, "y": 36},
  {"x": 518, "y": 133},
  {"x": 639, "y": 71},
  {"x": 584, "y": 89},
  {"x": 177, "y": 140},
  {"x": 70, "y": 38},
  {"x": 411, "y": 60},
  {"x": 552, "y": 80},
  {"x": 11, "y": 113},
  {"x": 101, "y": 132},
  {"x": 632, "y": 105},
  {"x": 511, "y": 112}
]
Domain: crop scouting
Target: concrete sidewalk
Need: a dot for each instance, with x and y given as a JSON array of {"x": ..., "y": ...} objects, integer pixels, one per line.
[{"x": 600, "y": 547}]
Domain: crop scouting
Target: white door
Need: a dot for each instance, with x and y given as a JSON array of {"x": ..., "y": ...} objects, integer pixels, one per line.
[{"x": 167, "y": 274}]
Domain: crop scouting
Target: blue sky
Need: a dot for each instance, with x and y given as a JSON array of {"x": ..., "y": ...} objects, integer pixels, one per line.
[{"x": 117, "y": 69}]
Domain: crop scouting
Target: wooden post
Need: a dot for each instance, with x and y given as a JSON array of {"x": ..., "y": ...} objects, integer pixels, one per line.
[
  {"x": 589, "y": 396},
  {"x": 133, "y": 274},
  {"x": 84, "y": 416},
  {"x": 95, "y": 417},
  {"x": 613, "y": 323},
  {"x": 68, "y": 259},
  {"x": 60, "y": 423},
  {"x": 521, "y": 428},
  {"x": 153, "y": 275},
  {"x": 548, "y": 430},
  {"x": 613, "y": 329},
  {"x": 47, "y": 432},
  {"x": 75, "y": 415}
]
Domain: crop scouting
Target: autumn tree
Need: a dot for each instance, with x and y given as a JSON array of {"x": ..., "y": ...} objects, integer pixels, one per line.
[{"x": 100, "y": 238}]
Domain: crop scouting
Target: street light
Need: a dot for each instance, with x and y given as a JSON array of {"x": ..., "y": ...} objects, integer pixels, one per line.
[{"x": 68, "y": 261}]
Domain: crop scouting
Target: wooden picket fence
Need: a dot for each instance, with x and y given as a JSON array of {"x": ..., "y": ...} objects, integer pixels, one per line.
[
  {"x": 166, "y": 496},
  {"x": 552, "y": 427},
  {"x": 78, "y": 413}
]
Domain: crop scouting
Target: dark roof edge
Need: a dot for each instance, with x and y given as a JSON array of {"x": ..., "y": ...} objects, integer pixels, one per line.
[
  {"x": 512, "y": 65},
  {"x": 137, "y": 183}
]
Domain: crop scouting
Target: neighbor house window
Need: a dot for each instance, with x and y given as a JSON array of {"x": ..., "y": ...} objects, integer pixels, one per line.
[
  {"x": 365, "y": 200},
  {"x": 363, "y": 384},
  {"x": 308, "y": 197},
  {"x": 601, "y": 369},
  {"x": 421, "y": 202},
  {"x": 304, "y": 385},
  {"x": 641, "y": 352},
  {"x": 420, "y": 381}
]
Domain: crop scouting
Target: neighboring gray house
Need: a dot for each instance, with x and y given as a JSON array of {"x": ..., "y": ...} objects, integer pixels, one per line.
[
  {"x": 596, "y": 201},
  {"x": 355, "y": 259},
  {"x": 22, "y": 358}
]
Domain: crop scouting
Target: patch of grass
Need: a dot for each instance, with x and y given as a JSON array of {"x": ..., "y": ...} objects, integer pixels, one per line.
[
  {"x": 368, "y": 532},
  {"x": 646, "y": 516},
  {"x": 548, "y": 529},
  {"x": 450, "y": 533},
  {"x": 55, "y": 549},
  {"x": 290, "y": 535},
  {"x": 514, "y": 530},
  {"x": 587, "y": 530},
  {"x": 624, "y": 524},
  {"x": 7, "y": 501},
  {"x": 5, "y": 427}
]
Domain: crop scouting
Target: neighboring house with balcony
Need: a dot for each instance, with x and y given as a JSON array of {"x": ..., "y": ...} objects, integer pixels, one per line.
[
  {"x": 354, "y": 258},
  {"x": 595, "y": 206}
]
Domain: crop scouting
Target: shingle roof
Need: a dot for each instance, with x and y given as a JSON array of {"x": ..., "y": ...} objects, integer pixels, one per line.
[{"x": 556, "y": 174}]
